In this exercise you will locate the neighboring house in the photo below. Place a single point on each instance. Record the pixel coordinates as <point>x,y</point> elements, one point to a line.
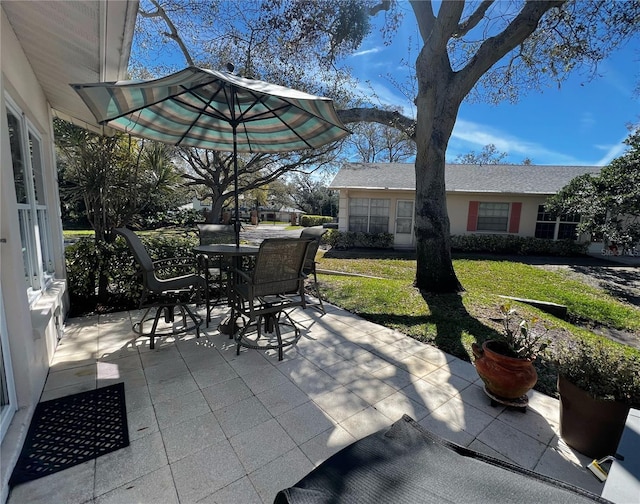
<point>509,199</point>
<point>45,46</point>
<point>284,214</point>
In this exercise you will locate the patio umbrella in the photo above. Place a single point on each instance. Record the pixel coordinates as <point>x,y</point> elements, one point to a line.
<point>214,110</point>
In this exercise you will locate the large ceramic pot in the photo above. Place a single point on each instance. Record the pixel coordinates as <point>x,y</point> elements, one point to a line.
<point>590,425</point>
<point>505,377</point>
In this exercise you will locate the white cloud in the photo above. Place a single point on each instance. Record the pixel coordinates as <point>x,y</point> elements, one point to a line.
<point>611,151</point>
<point>366,52</point>
<point>468,136</point>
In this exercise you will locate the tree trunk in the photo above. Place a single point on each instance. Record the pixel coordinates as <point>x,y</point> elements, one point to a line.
<point>214,217</point>
<point>436,99</point>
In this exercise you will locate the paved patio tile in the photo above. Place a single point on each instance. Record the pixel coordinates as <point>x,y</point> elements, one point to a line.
<point>142,422</point>
<point>529,422</point>
<point>71,486</point>
<point>282,398</point>
<point>213,374</point>
<point>517,446</point>
<point>326,444</point>
<point>398,404</point>
<point>281,473</point>
<point>241,490</point>
<point>242,416</point>
<point>365,422</point>
<point>151,488</point>
<point>555,465</point>
<point>261,444</point>
<point>456,412</point>
<point>304,422</point>
<point>221,396</point>
<point>192,435</point>
<point>211,426</point>
<point>453,433</point>
<point>264,379</point>
<point>175,387</point>
<point>340,403</point>
<point>199,475</point>
<point>180,408</point>
<point>141,457</point>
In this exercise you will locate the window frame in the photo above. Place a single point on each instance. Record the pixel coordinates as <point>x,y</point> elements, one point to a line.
<point>375,215</point>
<point>506,218</point>
<point>33,215</point>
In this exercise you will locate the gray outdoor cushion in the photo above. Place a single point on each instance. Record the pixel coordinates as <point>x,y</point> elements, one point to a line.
<point>407,464</point>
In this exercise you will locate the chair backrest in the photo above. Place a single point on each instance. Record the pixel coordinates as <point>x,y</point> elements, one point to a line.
<point>216,233</point>
<point>138,249</point>
<point>278,266</point>
<point>315,235</point>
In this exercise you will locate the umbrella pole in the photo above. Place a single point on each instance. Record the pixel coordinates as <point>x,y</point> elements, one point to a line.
<point>235,184</point>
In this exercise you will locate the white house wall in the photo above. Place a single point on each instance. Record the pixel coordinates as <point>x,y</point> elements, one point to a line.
<point>457,207</point>
<point>32,327</point>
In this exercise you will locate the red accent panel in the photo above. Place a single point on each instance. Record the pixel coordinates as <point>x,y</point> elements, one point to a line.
<point>514,221</point>
<point>472,218</point>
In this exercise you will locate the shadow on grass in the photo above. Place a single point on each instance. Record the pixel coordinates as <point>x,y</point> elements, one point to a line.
<point>450,318</point>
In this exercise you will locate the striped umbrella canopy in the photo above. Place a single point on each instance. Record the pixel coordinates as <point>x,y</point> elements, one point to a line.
<point>214,110</point>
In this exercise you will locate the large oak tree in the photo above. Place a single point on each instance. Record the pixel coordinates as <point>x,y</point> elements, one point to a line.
<point>480,49</point>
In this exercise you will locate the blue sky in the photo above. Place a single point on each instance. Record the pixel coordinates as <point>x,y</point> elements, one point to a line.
<point>582,123</point>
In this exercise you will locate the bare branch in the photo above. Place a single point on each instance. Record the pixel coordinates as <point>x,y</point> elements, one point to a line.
<point>385,117</point>
<point>385,5</point>
<point>173,34</point>
<point>472,21</point>
<point>494,48</point>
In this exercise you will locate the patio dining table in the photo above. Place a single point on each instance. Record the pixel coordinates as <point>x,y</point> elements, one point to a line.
<point>234,254</point>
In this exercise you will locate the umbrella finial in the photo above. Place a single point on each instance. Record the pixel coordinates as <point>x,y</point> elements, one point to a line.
<point>230,67</point>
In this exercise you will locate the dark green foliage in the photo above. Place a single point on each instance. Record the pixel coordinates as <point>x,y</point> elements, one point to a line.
<point>314,220</point>
<point>348,239</point>
<point>83,260</point>
<point>517,245</point>
<point>187,217</point>
<point>609,204</point>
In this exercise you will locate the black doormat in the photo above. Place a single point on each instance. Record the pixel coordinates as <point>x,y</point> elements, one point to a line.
<point>68,431</point>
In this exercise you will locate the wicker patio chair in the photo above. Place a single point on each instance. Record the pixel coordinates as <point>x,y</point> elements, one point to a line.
<point>216,269</point>
<point>262,295</point>
<point>164,294</point>
<point>309,269</point>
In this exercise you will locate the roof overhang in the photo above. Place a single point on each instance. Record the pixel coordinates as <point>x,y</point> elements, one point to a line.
<point>74,41</point>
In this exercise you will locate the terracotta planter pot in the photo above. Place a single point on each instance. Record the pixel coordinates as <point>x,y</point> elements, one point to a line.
<point>590,425</point>
<point>505,377</point>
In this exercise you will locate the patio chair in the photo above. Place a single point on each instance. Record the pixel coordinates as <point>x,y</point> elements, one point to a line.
<point>215,268</point>
<point>164,294</point>
<point>262,295</point>
<point>315,235</point>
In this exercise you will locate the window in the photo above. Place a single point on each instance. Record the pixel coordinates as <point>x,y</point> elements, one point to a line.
<point>493,216</point>
<point>369,215</point>
<point>33,215</point>
<point>551,227</point>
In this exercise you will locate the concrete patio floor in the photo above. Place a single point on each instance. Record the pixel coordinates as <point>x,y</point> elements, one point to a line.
<point>208,426</point>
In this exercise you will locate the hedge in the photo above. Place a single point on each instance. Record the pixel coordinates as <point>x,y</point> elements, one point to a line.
<point>84,260</point>
<point>517,245</point>
<point>314,220</point>
<point>347,239</point>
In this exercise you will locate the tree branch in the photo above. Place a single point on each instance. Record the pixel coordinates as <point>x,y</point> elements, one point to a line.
<point>173,35</point>
<point>385,117</point>
<point>495,48</point>
<point>472,21</point>
<point>423,11</point>
<point>385,5</point>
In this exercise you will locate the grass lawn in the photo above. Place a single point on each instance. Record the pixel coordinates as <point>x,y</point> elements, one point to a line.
<point>453,322</point>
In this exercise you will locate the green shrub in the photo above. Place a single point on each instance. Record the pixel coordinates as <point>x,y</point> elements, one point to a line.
<point>348,239</point>
<point>84,260</point>
<point>516,245</point>
<point>314,220</point>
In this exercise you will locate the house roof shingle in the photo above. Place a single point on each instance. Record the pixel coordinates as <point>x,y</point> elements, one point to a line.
<point>512,179</point>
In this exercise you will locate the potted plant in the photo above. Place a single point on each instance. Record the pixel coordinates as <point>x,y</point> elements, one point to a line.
<point>597,382</point>
<point>505,364</point>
